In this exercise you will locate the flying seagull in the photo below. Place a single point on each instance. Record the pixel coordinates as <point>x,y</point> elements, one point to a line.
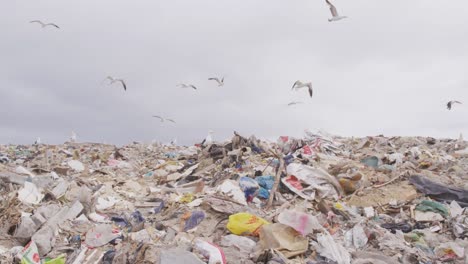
<point>299,84</point>
<point>112,81</point>
<point>334,13</point>
<point>220,83</point>
<point>164,119</point>
<point>183,85</point>
<point>294,103</point>
<point>449,104</point>
<point>44,24</point>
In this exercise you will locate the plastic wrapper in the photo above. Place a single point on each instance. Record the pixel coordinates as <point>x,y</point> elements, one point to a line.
<point>245,224</point>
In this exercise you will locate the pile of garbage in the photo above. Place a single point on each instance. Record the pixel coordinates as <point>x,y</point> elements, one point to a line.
<point>317,199</point>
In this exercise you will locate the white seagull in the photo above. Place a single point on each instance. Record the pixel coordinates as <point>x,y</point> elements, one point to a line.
<point>44,24</point>
<point>220,83</point>
<point>208,139</point>
<point>294,103</point>
<point>183,85</point>
<point>112,81</point>
<point>164,119</point>
<point>73,137</point>
<point>449,104</point>
<point>334,13</point>
<point>299,84</point>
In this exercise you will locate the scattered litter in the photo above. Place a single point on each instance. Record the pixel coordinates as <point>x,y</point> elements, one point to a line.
<point>179,256</point>
<point>284,239</point>
<point>194,220</point>
<point>301,222</point>
<point>105,203</point>
<point>213,253</point>
<point>369,212</point>
<point>440,192</point>
<point>58,260</point>
<point>23,170</point>
<point>449,251</point>
<point>30,254</point>
<point>432,206</point>
<point>30,194</point>
<point>356,237</point>
<point>316,199</point>
<point>266,184</point>
<point>393,227</point>
<point>371,162</point>
<point>136,222</point>
<point>76,165</point>
<point>195,203</point>
<point>245,224</point>
<point>318,182</point>
<point>328,248</point>
<point>232,189</point>
<point>243,244</point>
<point>427,216</point>
<point>250,188</point>
<point>100,235</point>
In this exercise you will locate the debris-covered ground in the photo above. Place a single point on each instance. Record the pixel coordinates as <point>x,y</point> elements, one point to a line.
<point>319,199</point>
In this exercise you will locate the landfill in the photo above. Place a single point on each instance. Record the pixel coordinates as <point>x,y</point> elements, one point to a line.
<point>317,199</point>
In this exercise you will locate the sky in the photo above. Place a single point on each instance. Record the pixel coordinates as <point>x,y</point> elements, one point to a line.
<point>390,68</point>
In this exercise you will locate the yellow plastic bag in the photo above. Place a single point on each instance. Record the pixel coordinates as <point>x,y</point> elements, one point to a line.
<point>245,224</point>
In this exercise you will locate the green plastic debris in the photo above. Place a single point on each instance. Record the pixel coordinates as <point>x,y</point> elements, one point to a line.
<point>371,161</point>
<point>432,206</point>
<point>417,239</point>
<point>58,260</point>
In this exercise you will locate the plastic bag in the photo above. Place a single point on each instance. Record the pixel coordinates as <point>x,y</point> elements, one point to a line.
<point>356,237</point>
<point>307,182</point>
<point>58,260</point>
<point>266,184</point>
<point>243,244</point>
<point>302,222</point>
<point>76,165</point>
<point>440,192</point>
<point>327,247</point>
<point>393,227</point>
<point>194,220</point>
<point>101,235</point>
<point>136,221</point>
<point>284,239</point>
<point>449,251</point>
<point>250,188</point>
<point>30,254</point>
<point>371,161</point>
<point>30,194</point>
<point>432,206</point>
<point>245,224</point>
<point>213,253</point>
<point>232,189</point>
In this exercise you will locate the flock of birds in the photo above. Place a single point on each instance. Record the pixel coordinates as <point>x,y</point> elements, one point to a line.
<point>298,85</point>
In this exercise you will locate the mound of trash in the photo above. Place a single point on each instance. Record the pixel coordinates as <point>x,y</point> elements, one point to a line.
<point>316,199</point>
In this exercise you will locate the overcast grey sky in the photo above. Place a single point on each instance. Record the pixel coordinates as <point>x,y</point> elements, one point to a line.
<point>388,69</point>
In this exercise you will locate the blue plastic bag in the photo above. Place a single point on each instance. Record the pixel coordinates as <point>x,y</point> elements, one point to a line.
<point>194,220</point>
<point>266,184</point>
<point>250,188</point>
